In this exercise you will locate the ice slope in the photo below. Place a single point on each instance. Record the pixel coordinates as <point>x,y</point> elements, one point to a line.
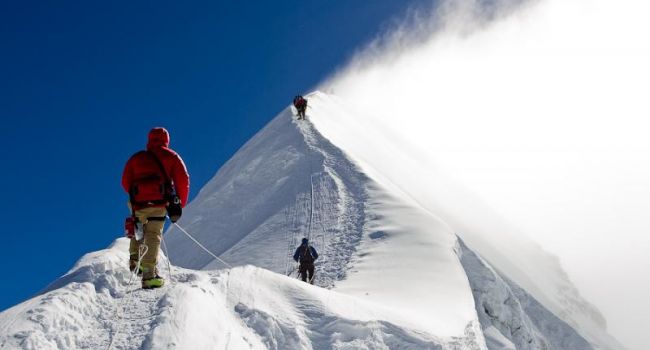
<point>240,308</point>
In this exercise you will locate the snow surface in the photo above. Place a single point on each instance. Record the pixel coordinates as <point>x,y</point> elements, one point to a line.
<point>286,165</point>
<point>392,274</point>
<point>241,308</point>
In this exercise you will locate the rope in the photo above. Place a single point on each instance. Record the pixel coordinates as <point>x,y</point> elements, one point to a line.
<point>311,212</point>
<point>169,263</point>
<point>311,207</point>
<point>200,245</point>
<point>142,250</point>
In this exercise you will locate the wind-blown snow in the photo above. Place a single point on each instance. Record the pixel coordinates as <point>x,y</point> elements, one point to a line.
<point>520,259</point>
<point>539,109</point>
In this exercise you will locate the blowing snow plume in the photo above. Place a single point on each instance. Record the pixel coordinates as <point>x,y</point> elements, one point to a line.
<point>536,109</point>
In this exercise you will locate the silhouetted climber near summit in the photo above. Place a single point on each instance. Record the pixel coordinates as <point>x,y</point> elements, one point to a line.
<point>301,106</point>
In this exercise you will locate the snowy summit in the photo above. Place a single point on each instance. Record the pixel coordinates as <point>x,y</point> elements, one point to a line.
<point>391,273</point>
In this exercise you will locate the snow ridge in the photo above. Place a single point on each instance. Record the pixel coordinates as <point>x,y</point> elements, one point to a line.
<point>240,308</point>
<point>286,183</point>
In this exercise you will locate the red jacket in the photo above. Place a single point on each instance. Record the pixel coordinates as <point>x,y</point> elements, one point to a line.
<point>141,165</point>
<point>300,103</point>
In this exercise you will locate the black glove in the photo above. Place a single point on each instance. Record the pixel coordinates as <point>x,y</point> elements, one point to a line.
<point>174,209</point>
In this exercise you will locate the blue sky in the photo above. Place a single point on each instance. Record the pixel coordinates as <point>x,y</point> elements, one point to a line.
<point>82,82</point>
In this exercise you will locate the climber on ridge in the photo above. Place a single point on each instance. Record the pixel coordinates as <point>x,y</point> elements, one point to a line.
<point>158,185</point>
<point>301,106</point>
<point>306,255</point>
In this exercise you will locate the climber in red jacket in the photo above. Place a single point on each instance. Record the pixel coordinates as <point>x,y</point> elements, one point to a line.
<point>158,185</point>
<point>301,106</point>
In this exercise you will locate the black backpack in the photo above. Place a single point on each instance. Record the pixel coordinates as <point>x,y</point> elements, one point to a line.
<point>305,255</point>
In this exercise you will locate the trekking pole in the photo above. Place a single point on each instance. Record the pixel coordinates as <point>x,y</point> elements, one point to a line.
<point>201,245</point>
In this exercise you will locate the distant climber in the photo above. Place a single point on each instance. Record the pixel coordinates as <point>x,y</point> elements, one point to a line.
<point>306,255</point>
<point>301,106</point>
<point>158,185</point>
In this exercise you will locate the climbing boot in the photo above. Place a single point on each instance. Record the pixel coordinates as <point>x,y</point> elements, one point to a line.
<point>151,283</point>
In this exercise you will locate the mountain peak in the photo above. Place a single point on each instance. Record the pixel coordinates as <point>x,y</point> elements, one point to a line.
<point>391,273</point>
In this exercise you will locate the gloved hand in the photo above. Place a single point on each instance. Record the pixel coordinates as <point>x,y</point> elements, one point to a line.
<point>174,209</point>
<point>174,218</point>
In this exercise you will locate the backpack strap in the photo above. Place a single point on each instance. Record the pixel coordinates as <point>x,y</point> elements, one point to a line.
<point>160,165</point>
<point>305,251</point>
<point>168,182</point>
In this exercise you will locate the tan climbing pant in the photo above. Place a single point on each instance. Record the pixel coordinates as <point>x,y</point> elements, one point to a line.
<point>153,222</point>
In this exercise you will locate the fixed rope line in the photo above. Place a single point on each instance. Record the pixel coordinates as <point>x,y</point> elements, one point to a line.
<point>201,245</point>
<point>169,263</point>
<point>311,202</point>
<point>311,189</point>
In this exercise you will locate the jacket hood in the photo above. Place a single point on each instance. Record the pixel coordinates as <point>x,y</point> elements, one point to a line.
<point>158,137</point>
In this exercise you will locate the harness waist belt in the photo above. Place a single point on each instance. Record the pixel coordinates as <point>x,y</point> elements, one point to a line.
<point>156,218</point>
<point>149,203</point>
